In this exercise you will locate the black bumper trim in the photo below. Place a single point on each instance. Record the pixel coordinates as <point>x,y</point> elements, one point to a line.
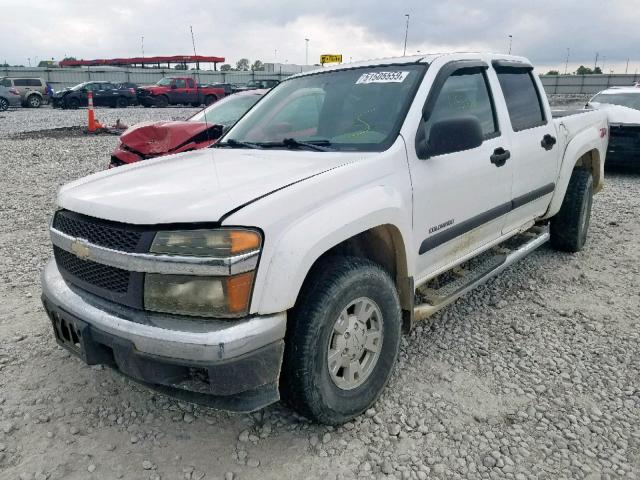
<point>242,384</point>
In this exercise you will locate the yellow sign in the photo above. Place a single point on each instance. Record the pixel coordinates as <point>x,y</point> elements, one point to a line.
<point>330,59</point>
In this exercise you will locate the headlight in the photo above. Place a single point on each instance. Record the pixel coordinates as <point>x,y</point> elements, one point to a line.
<point>206,243</point>
<point>204,296</point>
<point>198,296</point>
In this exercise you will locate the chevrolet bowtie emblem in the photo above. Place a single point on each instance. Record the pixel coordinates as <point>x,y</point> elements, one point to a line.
<point>80,248</point>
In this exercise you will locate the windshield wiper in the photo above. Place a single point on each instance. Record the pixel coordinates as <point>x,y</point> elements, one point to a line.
<point>317,145</point>
<point>236,144</point>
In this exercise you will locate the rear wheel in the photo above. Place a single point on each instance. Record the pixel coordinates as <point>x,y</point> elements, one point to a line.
<point>209,99</point>
<point>34,101</point>
<point>570,225</point>
<point>343,340</point>
<point>162,101</point>
<point>4,104</point>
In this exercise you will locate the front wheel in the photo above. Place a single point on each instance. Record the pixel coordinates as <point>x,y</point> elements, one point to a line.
<point>4,104</point>
<point>570,225</point>
<point>342,341</point>
<point>209,99</point>
<point>73,103</point>
<point>162,101</point>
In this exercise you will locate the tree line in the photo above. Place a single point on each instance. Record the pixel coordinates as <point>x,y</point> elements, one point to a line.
<point>582,70</point>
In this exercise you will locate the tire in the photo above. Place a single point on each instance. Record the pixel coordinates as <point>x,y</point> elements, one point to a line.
<point>162,101</point>
<point>122,102</point>
<point>4,104</point>
<point>34,101</point>
<point>307,384</point>
<point>209,99</point>
<point>570,225</point>
<point>73,103</point>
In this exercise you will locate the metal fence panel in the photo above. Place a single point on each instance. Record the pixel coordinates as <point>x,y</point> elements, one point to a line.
<point>585,84</point>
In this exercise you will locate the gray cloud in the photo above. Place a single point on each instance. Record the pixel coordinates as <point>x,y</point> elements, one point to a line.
<point>542,30</point>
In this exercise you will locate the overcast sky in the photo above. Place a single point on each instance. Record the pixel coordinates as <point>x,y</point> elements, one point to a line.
<point>274,30</point>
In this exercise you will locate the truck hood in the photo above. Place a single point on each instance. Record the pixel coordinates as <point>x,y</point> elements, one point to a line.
<point>198,186</point>
<point>155,138</point>
<point>619,114</point>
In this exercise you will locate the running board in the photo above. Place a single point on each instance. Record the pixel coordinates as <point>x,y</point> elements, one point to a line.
<point>487,265</point>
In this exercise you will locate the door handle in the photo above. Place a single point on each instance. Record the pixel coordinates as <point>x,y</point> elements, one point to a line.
<point>500,156</point>
<point>548,141</point>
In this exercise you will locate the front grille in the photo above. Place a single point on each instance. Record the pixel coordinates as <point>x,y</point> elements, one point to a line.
<point>101,276</point>
<point>99,232</point>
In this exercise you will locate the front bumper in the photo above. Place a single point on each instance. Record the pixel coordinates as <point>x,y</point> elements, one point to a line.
<point>233,365</point>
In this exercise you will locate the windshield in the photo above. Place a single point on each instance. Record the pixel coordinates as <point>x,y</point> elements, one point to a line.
<point>80,86</point>
<point>631,100</point>
<point>226,111</point>
<point>164,82</point>
<point>357,109</point>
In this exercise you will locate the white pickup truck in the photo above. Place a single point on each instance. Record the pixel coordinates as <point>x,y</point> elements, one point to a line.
<point>347,204</point>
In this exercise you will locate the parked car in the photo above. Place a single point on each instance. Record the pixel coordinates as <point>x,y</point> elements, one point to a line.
<point>9,97</point>
<point>155,139</point>
<point>178,90</point>
<point>252,84</point>
<point>229,88</point>
<point>105,94</point>
<point>288,259</point>
<point>622,105</point>
<point>33,91</point>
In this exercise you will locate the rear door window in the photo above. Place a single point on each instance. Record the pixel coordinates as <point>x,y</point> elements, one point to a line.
<point>21,82</point>
<point>522,97</point>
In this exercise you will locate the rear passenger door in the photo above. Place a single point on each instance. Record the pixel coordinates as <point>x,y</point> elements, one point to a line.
<point>461,198</point>
<point>534,152</point>
<point>178,94</point>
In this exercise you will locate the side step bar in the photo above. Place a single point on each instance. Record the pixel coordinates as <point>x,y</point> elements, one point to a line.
<point>498,258</point>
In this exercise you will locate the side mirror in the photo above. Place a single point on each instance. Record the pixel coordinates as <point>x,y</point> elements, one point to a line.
<point>451,135</point>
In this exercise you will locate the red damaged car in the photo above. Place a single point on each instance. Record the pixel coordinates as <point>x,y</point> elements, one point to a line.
<point>150,140</point>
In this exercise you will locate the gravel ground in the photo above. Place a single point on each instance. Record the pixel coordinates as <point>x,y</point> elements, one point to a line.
<point>533,375</point>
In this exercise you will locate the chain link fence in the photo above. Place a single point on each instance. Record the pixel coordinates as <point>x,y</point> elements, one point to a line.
<point>60,78</point>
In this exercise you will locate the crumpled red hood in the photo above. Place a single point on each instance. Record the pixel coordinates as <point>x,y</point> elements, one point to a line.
<point>161,137</point>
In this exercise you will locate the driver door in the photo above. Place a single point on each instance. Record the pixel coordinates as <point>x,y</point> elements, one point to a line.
<point>461,198</point>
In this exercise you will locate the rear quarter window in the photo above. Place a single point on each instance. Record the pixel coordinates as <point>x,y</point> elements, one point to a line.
<point>35,82</point>
<point>523,98</point>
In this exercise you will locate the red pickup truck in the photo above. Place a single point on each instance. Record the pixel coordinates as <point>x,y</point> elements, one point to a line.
<point>177,90</point>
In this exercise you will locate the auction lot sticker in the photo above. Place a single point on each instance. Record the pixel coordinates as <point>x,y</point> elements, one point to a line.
<point>382,77</point>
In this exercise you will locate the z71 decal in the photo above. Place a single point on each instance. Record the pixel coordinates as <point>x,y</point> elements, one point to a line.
<point>441,226</point>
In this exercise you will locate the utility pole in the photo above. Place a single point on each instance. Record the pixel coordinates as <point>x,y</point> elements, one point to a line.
<point>566,65</point>
<point>406,34</point>
<point>306,51</point>
<point>603,60</point>
<point>510,43</point>
<point>596,62</point>
<point>626,70</point>
<point>142,45</point>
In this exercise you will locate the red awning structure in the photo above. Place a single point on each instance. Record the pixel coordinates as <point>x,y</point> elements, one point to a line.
<point>175,59</point>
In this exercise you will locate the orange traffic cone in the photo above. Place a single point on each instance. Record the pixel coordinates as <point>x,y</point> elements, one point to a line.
<point>92,120</point>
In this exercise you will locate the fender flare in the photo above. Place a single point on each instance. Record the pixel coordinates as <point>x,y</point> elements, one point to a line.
<point>583,149</point>
<point>299,246</point>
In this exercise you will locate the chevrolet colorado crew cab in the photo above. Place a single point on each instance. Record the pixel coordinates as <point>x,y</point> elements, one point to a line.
<point>348,203</point>
<point>178,90</point>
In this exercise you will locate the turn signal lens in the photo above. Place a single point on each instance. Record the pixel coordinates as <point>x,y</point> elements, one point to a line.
<point>206,243</point>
